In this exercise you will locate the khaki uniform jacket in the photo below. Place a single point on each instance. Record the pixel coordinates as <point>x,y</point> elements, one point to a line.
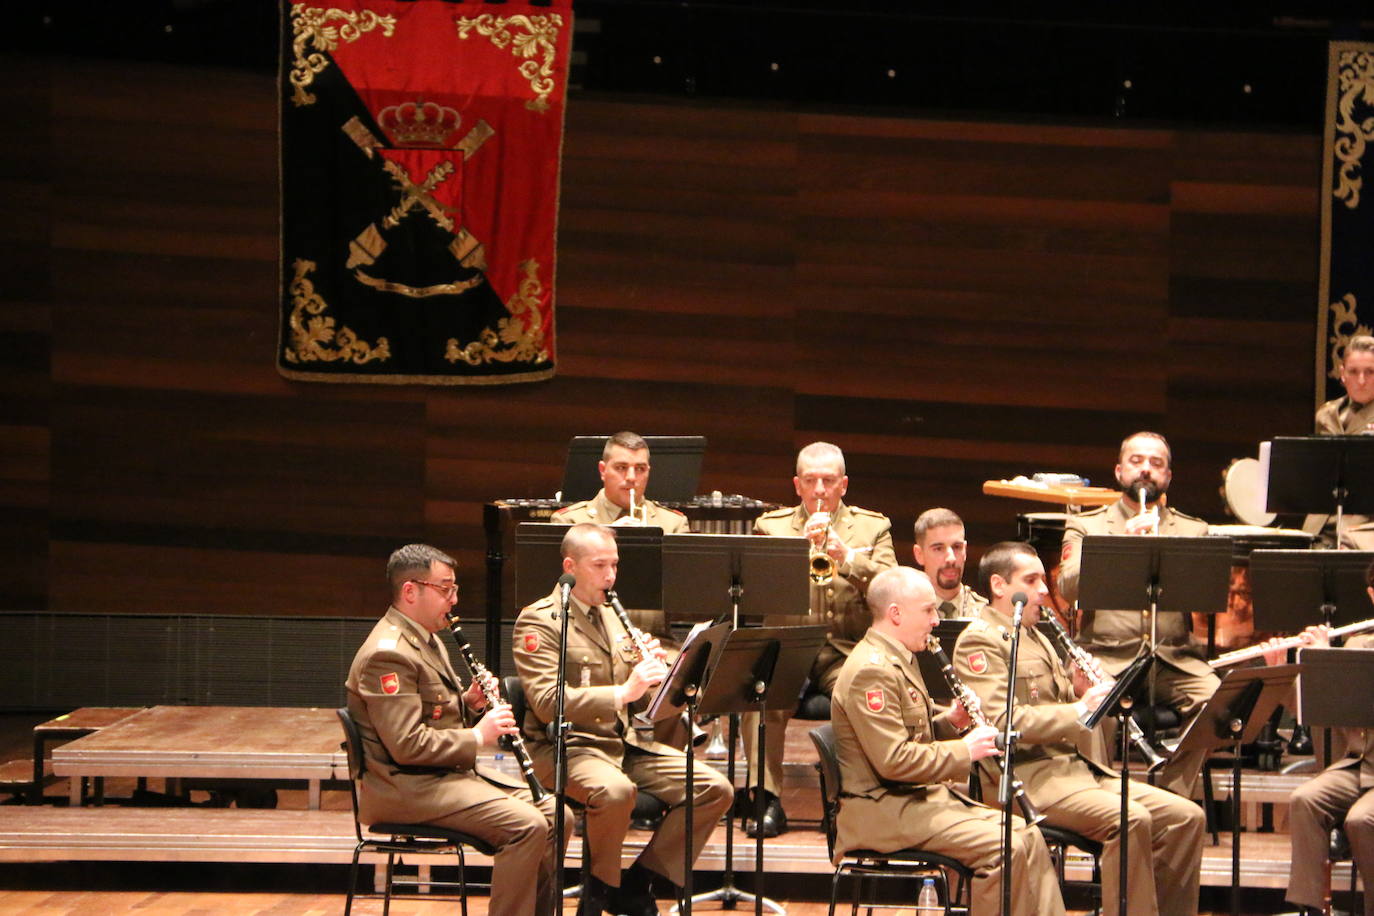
<point>1359,742</point>
<point>421,760</point>
<point>967,605</point>
<point>1045,711</point>
<point>599,658</point>
<point>602,511</point>
<point>840,605</point>
<point>1115,636</point>
<point>1340,418</point>
<point>886,731</point>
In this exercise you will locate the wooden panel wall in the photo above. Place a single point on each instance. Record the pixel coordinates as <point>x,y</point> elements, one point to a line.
<point>948,301</point>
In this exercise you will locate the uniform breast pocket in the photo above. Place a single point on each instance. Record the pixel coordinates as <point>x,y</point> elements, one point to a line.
<point>1034,682</point>
<point>915,721</point>
<point>436,703</point>
<point>588,665</point>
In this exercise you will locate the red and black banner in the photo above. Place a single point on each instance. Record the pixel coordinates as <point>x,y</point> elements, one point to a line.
<point>420,152</point>
<point>1345,306</point>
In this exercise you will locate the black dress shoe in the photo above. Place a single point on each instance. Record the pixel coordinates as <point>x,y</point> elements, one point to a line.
<point>635,896</point>
<point>774,818</point>
<point>597,897</point>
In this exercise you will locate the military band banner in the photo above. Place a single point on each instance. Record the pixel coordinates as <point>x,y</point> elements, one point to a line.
<point>420,153</point>
<point>1346,300</point>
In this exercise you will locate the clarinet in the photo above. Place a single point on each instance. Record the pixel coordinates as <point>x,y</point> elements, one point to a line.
<point>482,676</point>
<point>1084,661</point>
<point>974,708</point>
<point>641,644</point>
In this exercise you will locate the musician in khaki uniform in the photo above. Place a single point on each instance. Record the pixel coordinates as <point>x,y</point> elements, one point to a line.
<point>896,754</point>
<point>1350,415</point>
<point>941,550</point>
<point>1338,795</point>
<point>421,759</point>
<point>1165,853</point>
<point>859,544</point>
<point>1182,676</point>
<point>609,759</point>
<point>624,469</point>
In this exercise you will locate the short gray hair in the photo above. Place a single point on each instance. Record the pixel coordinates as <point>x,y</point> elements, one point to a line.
<point>935,518</point>
<point>1360,343</point>
<point>626,440</point>
<point>1146,434</point>
<point>890,586</point>
<point>820,451</point>
<point>579,538</point>
<point>411,560</point>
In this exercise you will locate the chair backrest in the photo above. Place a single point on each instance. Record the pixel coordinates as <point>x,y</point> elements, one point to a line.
<point>353,749</point>
<point>823,737</point>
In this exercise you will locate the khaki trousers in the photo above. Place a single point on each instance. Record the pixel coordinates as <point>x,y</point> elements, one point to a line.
<point>1314,809</point>
<point>608,791</point>
<point>524,839</point>
<point>1165,845</point>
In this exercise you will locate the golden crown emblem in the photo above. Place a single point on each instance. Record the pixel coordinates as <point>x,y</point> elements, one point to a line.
<point>419,123</point>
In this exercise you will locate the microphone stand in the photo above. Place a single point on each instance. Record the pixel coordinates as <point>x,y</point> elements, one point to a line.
<point>1005,797</point>
<point>560,734</point>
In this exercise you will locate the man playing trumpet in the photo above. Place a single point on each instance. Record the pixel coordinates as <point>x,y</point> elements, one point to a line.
<point>855,544</point>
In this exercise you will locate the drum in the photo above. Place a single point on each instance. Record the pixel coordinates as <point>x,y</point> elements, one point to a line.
<point>1243,486</point>
<point>1236,626</point>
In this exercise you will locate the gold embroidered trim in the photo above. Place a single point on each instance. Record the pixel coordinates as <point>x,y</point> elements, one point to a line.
<point>1343,316</point>
<point>1356,75</point>
<point>518,338</point>
<point>542,38</point>
<point>356,131</point>
<point>315,339</point>
<point>416,292</point>
<point>418,195</point>
<point>310,25</point>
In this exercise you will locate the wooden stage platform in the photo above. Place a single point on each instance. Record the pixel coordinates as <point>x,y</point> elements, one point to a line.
<point>313,824</point>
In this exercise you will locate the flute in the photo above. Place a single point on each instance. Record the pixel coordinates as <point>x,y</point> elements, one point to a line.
<point>493,696</point>
<point>1290,642</point>
<point>974,708</point>
<point>1085,664</point>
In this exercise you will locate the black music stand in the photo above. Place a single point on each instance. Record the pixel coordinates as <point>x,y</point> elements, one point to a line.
<point>705,576</point>
<point>1309,474</point>
<point>1118,703</point>
<point>1289,584</point>
<point>1234,715</point>
<point>676,462</point>
<point>1130,573</point>
<point>760,668</point>
<point>681,691</point>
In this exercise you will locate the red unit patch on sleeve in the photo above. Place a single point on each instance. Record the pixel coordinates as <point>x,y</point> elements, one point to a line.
<point>978,663</point>
<point>531,642</point>
<point>875,699</point>
<point>391,682</point>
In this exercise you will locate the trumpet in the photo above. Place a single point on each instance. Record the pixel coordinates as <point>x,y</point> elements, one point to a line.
<point>1290,642</point>
<point>638,512</point>
<point>493,696</point>
<point>974,708</point>
<point>1154,513</point>
<point>822,564</point>
<point>1084,661</point>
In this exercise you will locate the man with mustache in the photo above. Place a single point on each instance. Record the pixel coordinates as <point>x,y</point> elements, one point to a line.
<point>1183,678</point>
<point>941,551</point>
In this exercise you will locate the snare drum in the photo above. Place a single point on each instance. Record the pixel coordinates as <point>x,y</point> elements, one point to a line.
<point>1243,486</point>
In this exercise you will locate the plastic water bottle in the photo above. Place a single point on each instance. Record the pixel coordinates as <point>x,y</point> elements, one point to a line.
<point>928,901</point>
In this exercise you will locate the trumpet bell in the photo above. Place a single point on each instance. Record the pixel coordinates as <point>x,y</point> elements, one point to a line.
<point>822,568</point>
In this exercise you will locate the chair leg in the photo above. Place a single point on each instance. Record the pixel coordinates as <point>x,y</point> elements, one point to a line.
<point>386,899</point>
<point>352,880</point>
<point>463,879</point>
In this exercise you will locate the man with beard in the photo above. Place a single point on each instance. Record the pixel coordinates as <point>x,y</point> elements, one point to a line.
<point>941,550</point>
<point>1183,678</point>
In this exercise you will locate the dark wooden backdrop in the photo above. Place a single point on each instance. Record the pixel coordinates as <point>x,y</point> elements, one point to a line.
<point>948,301</point>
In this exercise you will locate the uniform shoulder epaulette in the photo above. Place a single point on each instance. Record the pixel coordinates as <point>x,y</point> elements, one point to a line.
<point>672,510</point>
<point>1191,518</point>
<point>869,513</point>
<point>569,508</point>
<point>1096,510</point>
<point>548,601</point>
<point>779,513</point>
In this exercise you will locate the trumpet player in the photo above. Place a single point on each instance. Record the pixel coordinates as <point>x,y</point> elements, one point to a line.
<point>609,760</point>
<point>896,753</point>
<point>1183,679</point>
<point>624,470</point>
<point>1165,848</point>
<point>849,547</point>
<point>422,731</point>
